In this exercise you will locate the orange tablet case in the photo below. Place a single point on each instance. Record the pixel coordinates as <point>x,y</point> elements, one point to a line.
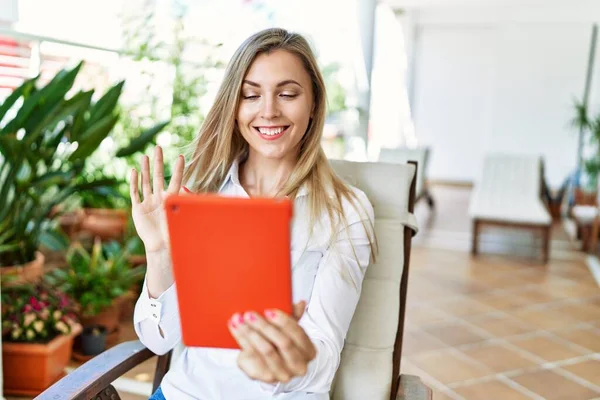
<point>229,255</point>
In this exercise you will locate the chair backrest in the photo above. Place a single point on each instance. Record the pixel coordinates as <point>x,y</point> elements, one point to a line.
<point>512,175</point>
<point>370,364</point>
<point>402,155</point>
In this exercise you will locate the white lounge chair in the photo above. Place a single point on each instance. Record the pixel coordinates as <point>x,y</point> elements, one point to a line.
<point>510,194</point>
<point>401,155</point>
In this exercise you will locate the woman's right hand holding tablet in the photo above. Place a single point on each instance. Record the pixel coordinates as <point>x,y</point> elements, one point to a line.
<point>148,214</point>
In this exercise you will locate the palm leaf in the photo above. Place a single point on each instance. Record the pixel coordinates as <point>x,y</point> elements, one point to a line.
<point>24,89</point>
<point>92,138</point>
<point>105,105</point>
<point>140,142</point>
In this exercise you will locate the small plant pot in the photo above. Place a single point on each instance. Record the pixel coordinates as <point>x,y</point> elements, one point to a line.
<point>105,223</point>
<point>93,340</point>
<point>109,317</point>
<point>20,274</point>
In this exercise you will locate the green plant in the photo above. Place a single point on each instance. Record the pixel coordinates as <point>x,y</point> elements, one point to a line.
<point>152,46</point>
<point>336,94</point>
<point>46,140</point>
<point>591,163</point>
<point>35,313</point>
<point>109,196</point>
<point>95,278</point>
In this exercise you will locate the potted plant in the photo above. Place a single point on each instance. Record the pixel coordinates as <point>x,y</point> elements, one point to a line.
<point>98,280</point>
<point>45,142</point>
<point>105,211</point>
<point>587,191</point>
<point>93,340</point>
<point>38,326</point>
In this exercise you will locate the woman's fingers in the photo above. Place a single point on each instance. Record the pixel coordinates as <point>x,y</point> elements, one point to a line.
<point>146,188</point>
<point>176,179</point>
<point>295,361</point>
<point>249,360</point>
<point>133,187</point>
<point>263,347</point>
<point>159,174</point>
<point>291,328</point>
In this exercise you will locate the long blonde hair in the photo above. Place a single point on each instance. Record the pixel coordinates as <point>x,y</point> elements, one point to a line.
<point>219,142</point>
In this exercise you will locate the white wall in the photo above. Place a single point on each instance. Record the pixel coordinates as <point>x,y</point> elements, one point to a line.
<point>8,12</point>
<point>499,78</point>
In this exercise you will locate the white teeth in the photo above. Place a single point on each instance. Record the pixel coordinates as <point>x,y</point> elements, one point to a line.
<point>271,131</point>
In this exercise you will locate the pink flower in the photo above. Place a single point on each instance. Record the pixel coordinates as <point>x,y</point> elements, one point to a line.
<point>34,303</point>
<point>27,308</point>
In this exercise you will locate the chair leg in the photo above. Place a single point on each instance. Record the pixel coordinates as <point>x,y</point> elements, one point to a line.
<point>546,243</point>
<point>475,237</point>
<point>162,367</point>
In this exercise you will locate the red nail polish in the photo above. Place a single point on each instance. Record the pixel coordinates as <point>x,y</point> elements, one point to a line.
<point>240,319</point>
<point>250,317</point>
<point>186,189</point>
<point>270,314</point>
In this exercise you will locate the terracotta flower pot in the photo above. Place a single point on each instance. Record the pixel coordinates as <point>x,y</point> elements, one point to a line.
<point>136,259</point>
<point>30,368</point>
<point>70,222</point>
<point>105,223</point>
<point>109,317</point>
<point>585,198</point>
<point>127,305</point>
<point>19,274</point>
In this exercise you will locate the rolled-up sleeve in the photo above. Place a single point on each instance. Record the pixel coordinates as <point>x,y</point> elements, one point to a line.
<point>334,298</point>
<point>156,321</point>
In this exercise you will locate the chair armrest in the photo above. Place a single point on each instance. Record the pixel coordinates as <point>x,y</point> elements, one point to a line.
<point>99,372</point>
<point>412,388</point>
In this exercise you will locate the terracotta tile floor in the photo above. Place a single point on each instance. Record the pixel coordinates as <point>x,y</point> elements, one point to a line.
<point>500,326</point>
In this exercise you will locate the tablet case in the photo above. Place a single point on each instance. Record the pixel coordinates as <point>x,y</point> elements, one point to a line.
<point>229,255</point>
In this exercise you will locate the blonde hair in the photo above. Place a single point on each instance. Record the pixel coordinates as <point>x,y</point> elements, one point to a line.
<point>219,142</point>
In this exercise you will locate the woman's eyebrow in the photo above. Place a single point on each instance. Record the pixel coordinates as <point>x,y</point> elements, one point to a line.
<point>282,83</point>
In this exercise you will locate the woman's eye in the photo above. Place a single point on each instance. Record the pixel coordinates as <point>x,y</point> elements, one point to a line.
<point>288,95</point>
<point>251,97</point>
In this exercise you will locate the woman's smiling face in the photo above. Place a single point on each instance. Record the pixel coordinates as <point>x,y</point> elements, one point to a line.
<point>276,105</point>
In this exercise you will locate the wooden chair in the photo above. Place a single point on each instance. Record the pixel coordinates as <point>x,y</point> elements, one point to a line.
<point>509,194</point>
<point>370,363</point>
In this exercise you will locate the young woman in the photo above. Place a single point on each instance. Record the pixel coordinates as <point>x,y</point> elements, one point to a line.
<point>262,138</point>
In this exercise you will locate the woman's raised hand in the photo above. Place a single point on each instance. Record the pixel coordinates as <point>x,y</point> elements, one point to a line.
<point>148,214</point>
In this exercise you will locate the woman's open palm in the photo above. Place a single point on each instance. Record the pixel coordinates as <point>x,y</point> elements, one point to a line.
<point>148,214</point>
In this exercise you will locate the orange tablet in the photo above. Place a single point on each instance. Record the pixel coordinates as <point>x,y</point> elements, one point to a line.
<point>229,255</point>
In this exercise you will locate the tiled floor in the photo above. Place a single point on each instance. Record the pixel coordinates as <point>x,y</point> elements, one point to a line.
<point>500,326</point>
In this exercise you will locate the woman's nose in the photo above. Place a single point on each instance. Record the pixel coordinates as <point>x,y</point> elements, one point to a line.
<point>270,109</point>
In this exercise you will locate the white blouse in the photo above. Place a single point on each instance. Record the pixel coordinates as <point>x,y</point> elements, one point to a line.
<point>326,275</point>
